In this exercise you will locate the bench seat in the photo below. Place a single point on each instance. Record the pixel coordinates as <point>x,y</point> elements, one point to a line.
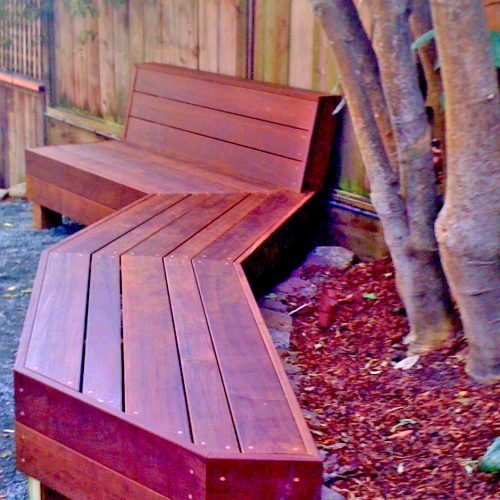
<point>148,316</point>
<point>112,174</point>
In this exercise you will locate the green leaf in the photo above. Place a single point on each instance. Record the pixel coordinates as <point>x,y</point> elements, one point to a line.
<point>403,421</point>
<point>495,42</point>
<point>490,463</point>
<point>423,40</point>
<point>370,296</point>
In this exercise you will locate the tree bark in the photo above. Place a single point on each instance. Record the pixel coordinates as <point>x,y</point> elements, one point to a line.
<point>426,286</point>
<point>420,23</point>
<point>468,227</point>
<point>412,245</point>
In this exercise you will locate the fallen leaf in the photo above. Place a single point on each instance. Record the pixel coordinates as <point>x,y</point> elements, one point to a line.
<point>407,363</point>
<point>6,454</point>
<point>400,434</point>
<point>400,468</point>
<point>370,296</point>
<point>403,421</point>
<point>7,224</point>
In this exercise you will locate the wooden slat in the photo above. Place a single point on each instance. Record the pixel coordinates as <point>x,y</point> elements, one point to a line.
<point>216,229</point>
<point>263,103</point>
<point>57,338</point>
<point>112,438</point>
<point>209,413</point>
<point>257,134</point>
<point>271,476</point>
<point>156,173</point>
<point>185,226</point>
<point>72,473</point>
<point>65,202</point>
<point>211,177</point>
<point>153,384</point>
<point>82,177</point>
<point>151,226</point>
<point>102,371</point>
<point>261,413</point>
<point>233,243</point>
<point>252,163</point>
<point>103,233</point>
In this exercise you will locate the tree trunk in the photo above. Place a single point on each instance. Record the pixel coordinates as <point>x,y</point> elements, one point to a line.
<point>412,135</point>
<point>412,245</point>
<point>420,23</point>
<point>468,227</point>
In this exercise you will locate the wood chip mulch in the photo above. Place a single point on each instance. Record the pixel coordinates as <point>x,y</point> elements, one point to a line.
<point>387,433</point>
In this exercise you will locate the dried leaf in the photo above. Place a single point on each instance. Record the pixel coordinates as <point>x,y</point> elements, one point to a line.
<point>407,363</point>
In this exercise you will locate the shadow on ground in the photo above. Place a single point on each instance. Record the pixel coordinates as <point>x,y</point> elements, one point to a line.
<point>20,248</point>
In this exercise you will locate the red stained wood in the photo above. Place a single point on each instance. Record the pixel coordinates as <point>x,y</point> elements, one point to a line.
<point>211,421</point>
<point>151,226</point>
<point>240,159</point>
<point>217,228</point>
<point>262,416</point>
<point>56,343</point>
<point>83,178</point>
<point>237,129</point>
<point>118,224</point>
<point>295,480</point>
<point>65,202</point>
<point>172,236</point>
<point>264,102</point>
<point>182,393</point>
<point>71,473</point>
<point>102,371</point>
<point>112,438</point>
<point>235,241</point>
<point>153,384</point>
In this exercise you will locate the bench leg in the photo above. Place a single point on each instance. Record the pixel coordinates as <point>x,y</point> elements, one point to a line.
<point>44,218</point>
<point>38,491</point>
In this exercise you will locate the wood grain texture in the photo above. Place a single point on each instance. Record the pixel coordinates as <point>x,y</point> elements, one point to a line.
<point>209,413</point>
<point>153,385</point>
<point>72,474</point>
<point>112,438</point>
<point>65,202</point>
<point>56,343</point>
<point>261,414</point>
<point>102,362</point>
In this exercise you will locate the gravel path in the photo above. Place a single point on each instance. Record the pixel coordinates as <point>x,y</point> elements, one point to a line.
<point>20,247</point>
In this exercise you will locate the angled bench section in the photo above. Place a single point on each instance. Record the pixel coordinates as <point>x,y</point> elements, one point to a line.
<point>145,368</point>
<point>188,132</point>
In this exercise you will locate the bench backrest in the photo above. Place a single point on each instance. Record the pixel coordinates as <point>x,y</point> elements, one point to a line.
<point>263,131</point>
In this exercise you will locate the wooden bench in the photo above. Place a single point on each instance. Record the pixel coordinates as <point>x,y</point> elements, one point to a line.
<point>188,132</point>
<point>145,368</point>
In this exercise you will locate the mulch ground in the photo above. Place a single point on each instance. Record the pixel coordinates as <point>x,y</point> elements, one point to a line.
<point>386,432</point>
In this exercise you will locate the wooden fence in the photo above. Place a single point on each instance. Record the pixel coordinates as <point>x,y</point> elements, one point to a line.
<point>20,37</point>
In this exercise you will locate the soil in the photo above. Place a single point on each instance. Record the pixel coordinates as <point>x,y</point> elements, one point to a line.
<point>384,432</point>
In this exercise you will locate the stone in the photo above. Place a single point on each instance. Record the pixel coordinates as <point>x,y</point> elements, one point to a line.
<point>18,190</point>
<point>281,339</point>
<point>329,494</point>
<point>277,320</point>
<point>3,193</point>
<point>276,304</point>
<point>297,286</point>
<point>334,257</point>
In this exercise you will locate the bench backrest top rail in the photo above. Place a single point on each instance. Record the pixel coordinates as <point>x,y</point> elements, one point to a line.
<point>269,132</point>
